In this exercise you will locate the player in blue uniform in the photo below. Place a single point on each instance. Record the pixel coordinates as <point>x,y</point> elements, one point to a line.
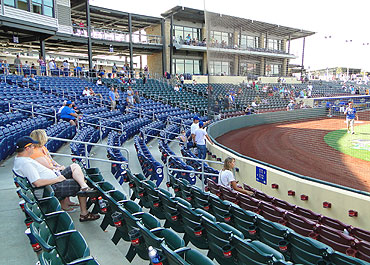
<point>351,114</point>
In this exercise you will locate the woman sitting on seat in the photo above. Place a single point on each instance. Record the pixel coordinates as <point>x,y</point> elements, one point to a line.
<point>227,179</point>
<point>41,155</point>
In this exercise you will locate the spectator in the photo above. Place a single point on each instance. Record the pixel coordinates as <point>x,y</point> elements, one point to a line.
<point>200,136</point>
<point>93,94</point>
<point>194,126</point>
<point>227,178</point>
<point>77,70</point>
<point>32,78</point>
<point>116,94</point>
<point>114,70</point>
<point>182,79</point>
<point>176,88</point>
<point>6,67</point>
<point>290,106</point>
<point>42,65</point>
<point>216,111</point>
<point>18,64</point>
<point>39,176</point>
<point>64,104</point>
<point>26,65</point>
<point>86,92</point>
<point>130,97</point>
<point>25,80</point>
<point>99,82</point>
<point>69,114</point>
<point>66,68</point>
<point>112,99</point>
<point>136,97</point>
<point>52,67</point>
<point>183,139</point>
<point>41,154</point>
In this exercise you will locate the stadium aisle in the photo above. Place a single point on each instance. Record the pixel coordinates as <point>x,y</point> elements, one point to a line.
<point>15,248</point>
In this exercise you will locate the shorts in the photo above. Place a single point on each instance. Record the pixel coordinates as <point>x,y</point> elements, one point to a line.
<point>350,122</point>
<point>66,188</point>
<point>67,119</point>
<point>67,172</point>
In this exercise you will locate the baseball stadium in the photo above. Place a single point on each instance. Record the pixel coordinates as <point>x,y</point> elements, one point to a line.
<point>182,134</point>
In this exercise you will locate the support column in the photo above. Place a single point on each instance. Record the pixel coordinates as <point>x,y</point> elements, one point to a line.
<point>171,46</point>
<point>89,44</point>
<point>304,43</point>
<point>141,62</point>
<point>42,49</point>
<point>164,47</point>
<point>262,67</point>
<point>130,43</point>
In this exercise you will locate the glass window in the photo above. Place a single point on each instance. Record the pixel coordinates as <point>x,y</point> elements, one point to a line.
<point>49,3</point>
<point>22,4</point>
<point>36,6</point>
<point>273,69</point>
<point>48,11</point>
<point>189,69</point>
<point>197,67</point>
<point>9,3</point>
<point>180,67</point>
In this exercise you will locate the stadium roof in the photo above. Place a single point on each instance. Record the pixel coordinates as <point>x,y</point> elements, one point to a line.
<point>196,15</point>
<point>105,18</point>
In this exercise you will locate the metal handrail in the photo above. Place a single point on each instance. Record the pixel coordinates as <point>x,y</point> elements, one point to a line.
<point>32,109</point>
<point>94,144</point>
<point>203,174</point>
<point>100,118</point>
<point>140,113</point>
<point>101,126</point>
<point>56,89</point>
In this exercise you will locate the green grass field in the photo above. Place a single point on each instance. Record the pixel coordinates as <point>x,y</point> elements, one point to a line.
<point>356,145</point>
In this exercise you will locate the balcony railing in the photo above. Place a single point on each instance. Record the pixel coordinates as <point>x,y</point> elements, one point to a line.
<point>119,36</point>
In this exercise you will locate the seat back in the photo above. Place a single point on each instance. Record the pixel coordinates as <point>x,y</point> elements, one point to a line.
<point>72,246</point>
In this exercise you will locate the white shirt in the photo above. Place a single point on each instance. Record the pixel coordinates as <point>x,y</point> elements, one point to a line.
<point>226,177</point>
<point>33,170</point>
<point>60,109</point>
<point>254,104</point>
<point>86,93</point>
<point>51,65</point>
<point>194,127</point>
<point>200,138</point>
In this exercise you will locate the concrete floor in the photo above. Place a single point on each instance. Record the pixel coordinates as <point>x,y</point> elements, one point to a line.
<point>18,250</point>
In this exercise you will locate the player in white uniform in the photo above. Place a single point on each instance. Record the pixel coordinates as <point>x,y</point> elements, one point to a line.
<point>351,114</point>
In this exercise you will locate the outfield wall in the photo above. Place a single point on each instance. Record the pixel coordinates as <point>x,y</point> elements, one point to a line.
<point>342,199</point>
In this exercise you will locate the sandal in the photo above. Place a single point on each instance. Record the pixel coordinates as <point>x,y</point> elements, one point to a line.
<point>70,210</point>
<point>89,217</point>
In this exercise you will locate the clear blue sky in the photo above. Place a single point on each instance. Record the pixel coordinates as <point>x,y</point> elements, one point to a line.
<point>342,20</point>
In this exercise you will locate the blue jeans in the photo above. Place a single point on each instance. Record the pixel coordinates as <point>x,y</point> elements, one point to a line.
<point>202,151</point>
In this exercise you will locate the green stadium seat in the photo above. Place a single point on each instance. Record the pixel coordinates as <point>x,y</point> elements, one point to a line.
<point>185,256</point>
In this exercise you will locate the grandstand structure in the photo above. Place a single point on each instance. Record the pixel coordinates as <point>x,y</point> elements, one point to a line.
<point>150,188</point>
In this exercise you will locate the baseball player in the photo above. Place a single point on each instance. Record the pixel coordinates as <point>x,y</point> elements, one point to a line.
<point>351,114</point>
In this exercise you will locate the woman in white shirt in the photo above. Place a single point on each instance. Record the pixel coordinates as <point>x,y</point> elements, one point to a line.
<point>227,177</point>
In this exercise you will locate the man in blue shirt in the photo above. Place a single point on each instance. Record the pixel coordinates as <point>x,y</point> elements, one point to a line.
<point>69,114</point>
<point>112,98</point>
<point>351,114</point>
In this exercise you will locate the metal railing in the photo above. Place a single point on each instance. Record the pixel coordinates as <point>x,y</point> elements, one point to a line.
<point>115,35</point>
<point>202,173</point>
<point>86,157</point>
<point>168,122</point>
<point>32,111</point>
<point>143,130</point>
<point>141,113</point>
<point>105,119</point>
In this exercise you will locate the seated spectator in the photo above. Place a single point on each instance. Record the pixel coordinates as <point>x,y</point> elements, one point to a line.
<point>64,104</point>
<point>69,114</point>
<point>32,78</point>
<point>176,88</point>
<point>183,139</point>
<point>227,178</point>
<point>93,94</point>
<point>99,82</point>
<point>136,97</point>
<point>41,154</point>
<point>116,94</point>
<point>40,176</point>
<point>290,106</point>
<point>25,79</point>
<point>86,92</point>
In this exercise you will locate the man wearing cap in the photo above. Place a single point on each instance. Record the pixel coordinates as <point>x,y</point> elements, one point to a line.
<point>40,176</point>
<point>200,136</point>
<point>69,114</point>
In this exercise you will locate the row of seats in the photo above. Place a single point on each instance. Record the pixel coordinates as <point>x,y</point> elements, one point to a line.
<point>151,168</point>
<point>52,230</point>
<point>12,131</point>
<point>140,228</point>
<point>341,237</point>
<point>62,129</point>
